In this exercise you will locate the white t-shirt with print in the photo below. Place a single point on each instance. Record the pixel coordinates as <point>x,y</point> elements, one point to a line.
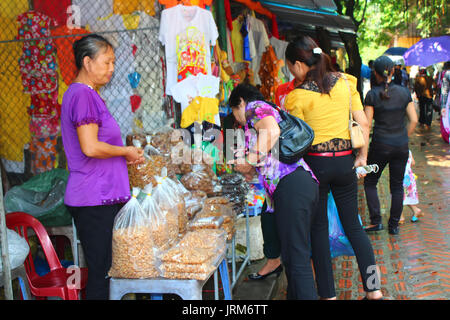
<point>195,86</point>
<point>187,32</point>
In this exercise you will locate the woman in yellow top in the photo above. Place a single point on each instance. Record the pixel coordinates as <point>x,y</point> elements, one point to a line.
<point>322,99</point>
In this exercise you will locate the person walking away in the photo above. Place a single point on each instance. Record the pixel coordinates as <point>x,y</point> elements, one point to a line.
<point>423,87</point>
<point>292,189</point>
<point>389,105</point>
<point>97,161</point>
<point>322,99</point>
<point>411,196</point>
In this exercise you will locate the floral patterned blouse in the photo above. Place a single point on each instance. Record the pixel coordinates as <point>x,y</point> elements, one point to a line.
<point>273,170</point>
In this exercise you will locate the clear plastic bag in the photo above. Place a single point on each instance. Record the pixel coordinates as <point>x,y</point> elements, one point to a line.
<point>141,175</point>
<point>169,202</point>
<point>133,254</point>
<point>221,210</point>
<point>206,223</point>
<point>198,179</point>
<point>18,249</point>
<point>158,224</point>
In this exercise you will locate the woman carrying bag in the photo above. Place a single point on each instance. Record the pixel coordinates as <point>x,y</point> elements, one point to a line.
<point>323,100</point>
<point>292,190</point>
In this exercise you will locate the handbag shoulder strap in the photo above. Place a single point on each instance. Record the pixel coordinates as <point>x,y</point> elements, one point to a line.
<point>350,95</point>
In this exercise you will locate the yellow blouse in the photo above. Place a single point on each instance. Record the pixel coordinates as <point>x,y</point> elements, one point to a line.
<point>327,114</point>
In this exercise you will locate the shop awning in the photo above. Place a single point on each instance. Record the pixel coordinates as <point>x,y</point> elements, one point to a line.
<point>310,12</point>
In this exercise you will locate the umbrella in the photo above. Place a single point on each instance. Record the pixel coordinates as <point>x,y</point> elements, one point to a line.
<point>395,51</point>
<point>428,51</point>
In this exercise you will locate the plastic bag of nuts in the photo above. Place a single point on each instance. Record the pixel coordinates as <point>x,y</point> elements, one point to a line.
<point>158,224</point>
<point>133,254</point>
<point>171,203</point>
<point>198,179</point>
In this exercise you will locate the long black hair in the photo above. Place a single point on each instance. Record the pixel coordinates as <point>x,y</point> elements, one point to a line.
<point>302,49</point>
<point>89,46</point>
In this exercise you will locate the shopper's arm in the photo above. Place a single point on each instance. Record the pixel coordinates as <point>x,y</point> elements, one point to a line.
<point>91,147</point>
<point>412,116</point>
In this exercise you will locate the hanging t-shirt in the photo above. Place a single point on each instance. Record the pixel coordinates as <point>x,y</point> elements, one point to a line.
<point>259,41</point>
<point>199,110</point>
<point>54,9</point>
<point>187,42</point>
<point>237,41</point>
<point>64,51</point>
<point>195,86</point>
<point>38,61</point>
<point>90,10</point>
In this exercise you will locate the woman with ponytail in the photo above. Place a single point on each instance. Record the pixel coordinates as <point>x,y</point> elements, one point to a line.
<point>322,98</point>
<point>389,105</point>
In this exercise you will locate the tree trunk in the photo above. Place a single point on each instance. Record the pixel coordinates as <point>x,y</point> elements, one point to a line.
<point>324,39</point>
<point>355,62</point>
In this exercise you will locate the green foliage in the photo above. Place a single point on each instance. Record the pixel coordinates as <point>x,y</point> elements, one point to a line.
<point>378,21</point>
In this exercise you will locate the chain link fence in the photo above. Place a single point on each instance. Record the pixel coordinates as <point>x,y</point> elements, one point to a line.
<point>37,66</point>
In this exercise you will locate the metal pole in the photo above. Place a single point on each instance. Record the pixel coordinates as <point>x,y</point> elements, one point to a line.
<point>5,250</point>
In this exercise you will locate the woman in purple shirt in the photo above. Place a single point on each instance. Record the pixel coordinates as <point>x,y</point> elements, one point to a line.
<point>97,160</point>
<point>292,189</point>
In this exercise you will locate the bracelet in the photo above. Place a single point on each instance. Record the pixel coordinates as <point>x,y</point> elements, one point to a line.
<point>250,163</point>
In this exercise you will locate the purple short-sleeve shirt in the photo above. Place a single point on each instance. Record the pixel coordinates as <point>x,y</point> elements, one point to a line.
<point>92,181</point>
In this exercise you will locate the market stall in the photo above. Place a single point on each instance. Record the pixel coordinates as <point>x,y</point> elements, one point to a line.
<point>169,95</point>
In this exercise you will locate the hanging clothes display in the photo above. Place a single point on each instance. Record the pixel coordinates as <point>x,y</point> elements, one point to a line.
<point>56,10</point>
<point>200,109</point>
<point>187,42</point>
<point>280,49</point>
<point>38,61</point>
<point>199,3</point>
<point>270,67</point>
<point>195,86</point>
<point>64,51</point>
<point>43,154</point>
<point>90,10</point>
<point>131,6</point>
<point>260,41</point>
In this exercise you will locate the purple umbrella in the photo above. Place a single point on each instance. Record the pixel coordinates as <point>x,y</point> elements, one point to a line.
<point>428,51</point>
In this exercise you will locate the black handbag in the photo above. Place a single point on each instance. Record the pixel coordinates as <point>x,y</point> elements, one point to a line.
<point>295,139</point>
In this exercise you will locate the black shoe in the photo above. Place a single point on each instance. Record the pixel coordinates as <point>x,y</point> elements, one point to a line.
<point>376,227</point>
<point>393,230</point>
<point>257,276</point>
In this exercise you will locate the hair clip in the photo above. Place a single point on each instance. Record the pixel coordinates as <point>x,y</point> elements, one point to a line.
<point>317,50</point>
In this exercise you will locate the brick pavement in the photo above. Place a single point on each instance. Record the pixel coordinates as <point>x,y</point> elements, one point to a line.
<point>415,263</point>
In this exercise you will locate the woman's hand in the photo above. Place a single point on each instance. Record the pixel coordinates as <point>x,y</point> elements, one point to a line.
<point>134,155</point>
<point>359,162</point>
<point>243,167</point>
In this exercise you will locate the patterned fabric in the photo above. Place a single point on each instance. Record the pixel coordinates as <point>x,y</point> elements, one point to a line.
<point>411,196</point>
<point>38,61</point>
<point>332,145</point>
<point>43,154</point>
<point>44,126</point>
<point>273,171</point>
<point>45,104</point>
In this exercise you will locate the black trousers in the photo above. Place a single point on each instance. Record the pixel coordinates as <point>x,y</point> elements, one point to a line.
<point>94,226</point>
<point>337,174</point>
<point>295,199</point>
<point>425,110</point>
<point>396,157</point>
<point>271,247</point>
